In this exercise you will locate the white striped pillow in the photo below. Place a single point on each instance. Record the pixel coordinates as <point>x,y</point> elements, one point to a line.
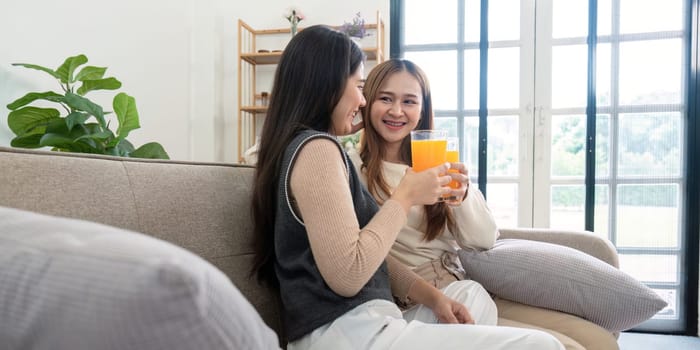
<point>564,279</point>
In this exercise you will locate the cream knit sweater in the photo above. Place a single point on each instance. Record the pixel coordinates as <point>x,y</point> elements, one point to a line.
<point>476,228</point>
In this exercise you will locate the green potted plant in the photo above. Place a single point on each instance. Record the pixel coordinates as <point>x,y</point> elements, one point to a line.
<point>84,127</point>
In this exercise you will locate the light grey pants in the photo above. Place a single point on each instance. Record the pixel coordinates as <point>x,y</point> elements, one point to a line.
<point>379,324</point>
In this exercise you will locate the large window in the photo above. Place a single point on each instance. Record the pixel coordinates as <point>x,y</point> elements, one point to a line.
<point>545,93</point>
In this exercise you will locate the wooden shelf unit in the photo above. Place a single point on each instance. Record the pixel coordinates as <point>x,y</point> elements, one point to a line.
<point>249,109</point>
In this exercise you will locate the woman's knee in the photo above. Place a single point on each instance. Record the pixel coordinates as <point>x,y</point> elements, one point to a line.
<point>476,299</point>
<point>467,288</point>
<point>544,341</point>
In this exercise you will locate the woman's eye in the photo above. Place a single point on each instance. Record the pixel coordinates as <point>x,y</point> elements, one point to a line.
<point>410,102</point>
<point>385,99</point>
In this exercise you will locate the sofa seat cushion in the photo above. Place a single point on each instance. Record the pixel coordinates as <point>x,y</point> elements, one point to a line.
<point>71,284</point>
<point>564,279</point>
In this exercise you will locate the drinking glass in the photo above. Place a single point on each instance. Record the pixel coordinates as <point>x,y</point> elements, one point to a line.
<point>428,148</point>
<point>453,157</point>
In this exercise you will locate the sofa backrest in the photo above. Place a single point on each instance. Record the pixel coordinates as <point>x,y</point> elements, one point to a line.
<point>202,207</point>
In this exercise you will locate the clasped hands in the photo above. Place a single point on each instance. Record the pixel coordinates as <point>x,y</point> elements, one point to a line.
<point>438,178</point>
<point>431,185</point>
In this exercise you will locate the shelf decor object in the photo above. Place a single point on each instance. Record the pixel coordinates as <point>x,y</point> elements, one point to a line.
<point>294,17</point>
<point>256,49</point>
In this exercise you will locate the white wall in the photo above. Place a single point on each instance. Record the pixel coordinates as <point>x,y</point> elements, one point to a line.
<point>176,57</point>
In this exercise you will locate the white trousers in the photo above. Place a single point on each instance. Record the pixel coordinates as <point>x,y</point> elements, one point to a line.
<point>379,324</point>
<point>471,294</point>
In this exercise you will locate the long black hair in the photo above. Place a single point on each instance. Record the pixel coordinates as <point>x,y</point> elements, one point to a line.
<point>309,81</point>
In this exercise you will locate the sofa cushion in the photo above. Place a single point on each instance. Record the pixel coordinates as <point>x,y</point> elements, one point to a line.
<point>71,284</point>
<point>565,279</point>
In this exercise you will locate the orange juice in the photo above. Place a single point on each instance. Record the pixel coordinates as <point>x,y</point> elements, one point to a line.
<point>428,153</point>
<point>453,157</point>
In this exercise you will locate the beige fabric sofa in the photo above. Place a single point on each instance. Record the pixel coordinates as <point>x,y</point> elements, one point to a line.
<point>203,207</point>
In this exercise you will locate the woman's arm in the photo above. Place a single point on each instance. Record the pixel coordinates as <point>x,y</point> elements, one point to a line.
<point>346,255</point>
<point>476,227</point>
<point>407,285</point>
<point>401,277</point>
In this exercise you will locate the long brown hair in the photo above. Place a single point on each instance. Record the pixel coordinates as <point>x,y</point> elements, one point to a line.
<point>308,84</point>
<point>437,216</point>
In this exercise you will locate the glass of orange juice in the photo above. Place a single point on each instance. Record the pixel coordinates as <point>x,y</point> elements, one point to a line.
<point>453,157</point>
<point>428,148</point>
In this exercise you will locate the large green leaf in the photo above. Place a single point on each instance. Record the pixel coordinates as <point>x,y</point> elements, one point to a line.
<point>59,137</point>
<point>150,150</point>
<point>34,66</point>
<point>33,96</point>
<point>76,118</point>
<point>64,143</point>
<point>95,134</point>
<point>120,148</point>
<point>31,120</point>
<point>127,115</point>
<point>99,136</point>
<point>104,136</point>
<point>26,141</point>
<point>115,143</point>
<point>55,140</point>
<point>85,147</point>
<point>126,145</point>
<point>90,73</point>
<point>57,126</point>
<point>99,84</point>
<point>83,104</point>
<point>93,128</point>
<point>65,71</point>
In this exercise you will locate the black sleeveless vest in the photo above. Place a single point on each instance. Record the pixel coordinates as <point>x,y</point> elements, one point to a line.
<point>307,300</point>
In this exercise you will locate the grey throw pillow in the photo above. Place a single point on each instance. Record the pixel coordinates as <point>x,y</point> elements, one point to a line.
<point>71,284</point>
<point>562,278</point>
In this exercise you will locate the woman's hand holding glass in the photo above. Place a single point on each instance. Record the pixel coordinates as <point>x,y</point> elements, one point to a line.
<point>423,187</point>
<point>458,174</point>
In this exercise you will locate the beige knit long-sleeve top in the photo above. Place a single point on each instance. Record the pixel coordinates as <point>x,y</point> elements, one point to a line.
<point>476,227</point>
<point>346,255</point>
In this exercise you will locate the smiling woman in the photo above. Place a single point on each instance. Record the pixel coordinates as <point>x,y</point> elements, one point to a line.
<point>320,236</point>
<point>397,93</point>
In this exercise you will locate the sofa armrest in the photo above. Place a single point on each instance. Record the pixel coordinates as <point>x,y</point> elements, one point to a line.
<point>584,241</point>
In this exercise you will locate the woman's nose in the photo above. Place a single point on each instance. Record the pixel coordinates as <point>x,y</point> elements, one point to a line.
<point>395,109</point>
